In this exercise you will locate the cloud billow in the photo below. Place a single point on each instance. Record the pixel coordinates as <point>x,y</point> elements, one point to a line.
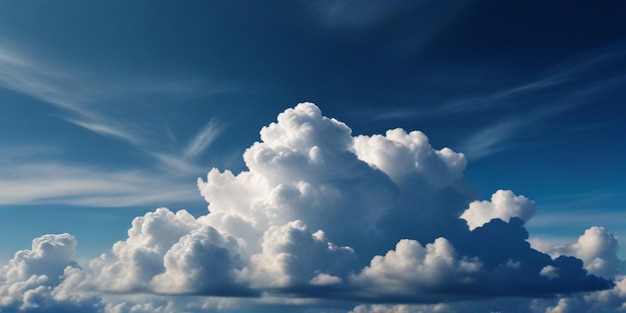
<point>321,214</point>
<point>309,170</point>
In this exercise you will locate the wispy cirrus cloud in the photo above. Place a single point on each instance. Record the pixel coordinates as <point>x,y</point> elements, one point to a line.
<point>37,174</point>
<point>493,138</point>
<point>87,102</point>
<point>68,90</point>
<point>570,71</point>
<point>597,207</point>
<point>202,139</point>
<point>105,129</point>
<point>350,13</point>
<point>575,72</point>
<point>71,184</point>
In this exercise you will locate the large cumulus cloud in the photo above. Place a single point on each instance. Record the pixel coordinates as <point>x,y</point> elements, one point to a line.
<point>320,213</point>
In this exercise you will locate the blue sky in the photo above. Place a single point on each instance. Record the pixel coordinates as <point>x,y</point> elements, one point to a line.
<point>110,110</point>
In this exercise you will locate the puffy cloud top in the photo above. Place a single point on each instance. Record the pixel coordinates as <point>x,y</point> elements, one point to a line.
<point>140,257</point>
<point>504,205</point>
<point>47,259</point>
<point>412,269</point>
<point>596,247</point>
<point>400,155</point>
<point>31,281</point>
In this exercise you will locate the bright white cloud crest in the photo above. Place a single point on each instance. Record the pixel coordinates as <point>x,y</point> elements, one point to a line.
<point>504,205</point>
<point>596,247</point>
<point>321,214</point>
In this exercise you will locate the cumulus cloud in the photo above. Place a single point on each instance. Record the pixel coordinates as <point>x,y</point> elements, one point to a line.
<point>322,214</point>
<point>412,269</point>
<point>202,261</point>
<point>293,256</point>
<point>32,280</point>
<point>48,257</point>
<point>303,169</point>
<point>504,204</point>
<point>400,155</point>
<point>366,194</point>
<point>596,247</point>
<point>139,258</point>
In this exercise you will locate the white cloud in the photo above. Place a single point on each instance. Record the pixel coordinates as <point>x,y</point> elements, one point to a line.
<point>400,155</point>
<point>303,169</point>
<point>596,247</point>
<point>614,298</point>
<point>504,205</point>
<point>32,279</point>
<point>323,279</point>
<point>402,308</point>
<point>293,256</point>
<point>550,272</point>
<point>412,269</point>
<point>201,262</point>
<point>565,305</point>
<point>318,214</point>
<point>47,259</point>
<point>138,259</point>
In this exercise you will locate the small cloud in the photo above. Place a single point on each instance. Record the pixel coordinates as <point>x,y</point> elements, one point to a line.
<point>202,139</point>
<point>504,205</point>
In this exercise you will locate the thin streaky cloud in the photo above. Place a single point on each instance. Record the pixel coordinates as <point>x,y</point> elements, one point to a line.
<point>489,140</point>
<point>47,83</point>
<point>566,72</point>
<point>176,165</point>
<point>492,139</point>
<point>497,98</point>
<point>202,139</point>
<point>589,60</point>
<point>60,183</point>
<point>502,97</point>
<point>31,78</point>
<point>106,130</point>
<point>40,80</point>
<point>350,13</point>
<point>575,219</point>
<point>588,196</point>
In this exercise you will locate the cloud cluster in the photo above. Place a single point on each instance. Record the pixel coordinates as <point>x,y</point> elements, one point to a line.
<point>35,280</point>
<point>322,214</point>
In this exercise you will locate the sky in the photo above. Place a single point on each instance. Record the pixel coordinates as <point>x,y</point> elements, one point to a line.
<point>312,156</point>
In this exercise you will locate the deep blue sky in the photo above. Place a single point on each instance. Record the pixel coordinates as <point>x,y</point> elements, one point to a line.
<point>110,95</point>
<point>530,91</point>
